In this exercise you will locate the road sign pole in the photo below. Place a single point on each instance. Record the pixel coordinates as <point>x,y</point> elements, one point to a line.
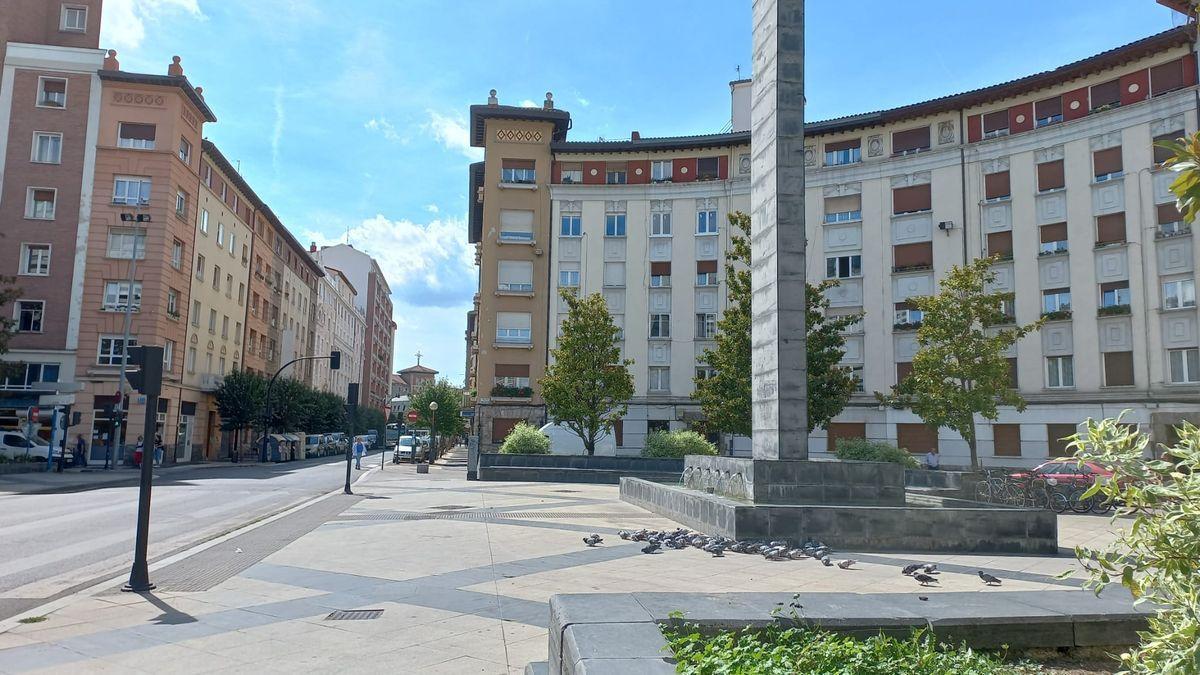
<point>150,359</point>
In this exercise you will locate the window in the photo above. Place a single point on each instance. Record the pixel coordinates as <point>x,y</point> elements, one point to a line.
<point>1110,229</point>
<point>200,267</point>
<point>245,254</point>
<point>1163,154</point>
<point>571,225</point>
<point>229,285</point>
<point>516,226</point>
<point>1060,371</point>
<point>220,234</point>
<point>1050,176</point>
<point>513,376</point>
<point>196,313</point>
<point>224,327</point>
<point>1006,440</point>
<point>706,221</point>
<point>571,172</point>
<point>1118,369</point>
<point>204,221</point>
<point>30,375</point>
<point>29,315</point>
<point>39,203</point>
<point>614,225</point>
<point>241,293</point>
<point>614,174</point>
<point>185,151</point>
<point>1184,365</point>
<point>216,278</point>
<point>1179,294</point>
<point>135,136</point>
<point>660,171</point>
<point>843,209</point>
<point>843,267</point>
<point>212,321</point>
<point>1056,300</point>
<point>1114,294</point>
<point>906,315</point>
<point>1106,164</point>
<point>513,328</point>
<point>1170,221</point>
<point>843,152</point>
<point>176,254</point>
<point>117,297</point>
<point>913,199</point>
<point>237,333</point>
<point>705,372</point>
<point>112,349</point>
<point>568,278</point>
<point>1000,243</point>
<point>47,148</point>
<point>910,141</point>
<point>52,92</point>
<point>1048,111</point>
<point>706,326</point>
<point>706,273</point>
<point>1054,238</point>
<point>74,18</point>
<point>1166,77</point>
<point>35,259</point>
<point>1106,95</point>
<point>660,224</point>
<point>996,186</point>
<point>191,360</point>
<point>181,203</point>
<point>130,190</point>
<point>660,274</point>
<point>708,168</point>
<point>518,171</point>
<point>660,325</point>
<point>912,256</point>
<point>995,124</point>
<point>173,302</point>
<point>660,379</point>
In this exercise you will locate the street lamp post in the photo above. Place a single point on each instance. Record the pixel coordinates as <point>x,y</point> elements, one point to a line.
<point>433,406</point>
<point>122,400</point>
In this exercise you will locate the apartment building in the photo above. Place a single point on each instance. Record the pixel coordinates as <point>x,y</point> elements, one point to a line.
<point>300,278</point>
<point>376,304</point>
<point>339,325</point>
<point>1055,173</point>
<point>49,120</point>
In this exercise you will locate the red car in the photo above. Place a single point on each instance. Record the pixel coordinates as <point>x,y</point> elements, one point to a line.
<point>1066,471</point>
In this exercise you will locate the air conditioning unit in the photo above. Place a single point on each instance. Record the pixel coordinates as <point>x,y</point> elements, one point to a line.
<point>905,316</point>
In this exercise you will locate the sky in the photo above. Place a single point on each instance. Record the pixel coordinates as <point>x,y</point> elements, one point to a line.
<point>349,117</point>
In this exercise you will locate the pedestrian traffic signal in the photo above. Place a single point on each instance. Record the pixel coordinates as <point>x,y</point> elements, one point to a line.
<point>335,360</point>
<point>148,375</point>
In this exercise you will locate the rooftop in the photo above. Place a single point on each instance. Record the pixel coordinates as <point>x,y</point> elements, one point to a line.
<point>180,81</point>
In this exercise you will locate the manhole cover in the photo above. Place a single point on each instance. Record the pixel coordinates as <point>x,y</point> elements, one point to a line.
<point>354,614</point>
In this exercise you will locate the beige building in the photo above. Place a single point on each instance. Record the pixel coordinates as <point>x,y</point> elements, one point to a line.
<point>339,325</point>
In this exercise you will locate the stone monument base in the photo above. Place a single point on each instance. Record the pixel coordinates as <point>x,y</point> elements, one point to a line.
<point>778,481</point>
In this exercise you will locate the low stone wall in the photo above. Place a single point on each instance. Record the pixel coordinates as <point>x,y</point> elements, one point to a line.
<point>934,526</point>
<point>575,468</point>
<point>620,632</point>
<point>22,467</point>
<point>797,481</point>
<point>936,480</point>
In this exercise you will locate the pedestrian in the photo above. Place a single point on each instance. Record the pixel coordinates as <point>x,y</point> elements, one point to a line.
<point>158,450</point>
<point>359,449</point>
<point>138,451</point>
<point>80,451</point>
<point>932,462</point>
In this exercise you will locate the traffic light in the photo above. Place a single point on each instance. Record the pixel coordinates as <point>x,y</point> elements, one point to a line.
<point>335,360</point>
<point>148,375</point>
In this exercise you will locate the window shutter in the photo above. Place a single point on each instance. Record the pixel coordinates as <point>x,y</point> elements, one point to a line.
<point>1106,93</point>
<point>141,132</point>
<point>1107,161</point>
<point>843,145</point>
<point>55,87</point>
<point>1110,228</point>
<point>1167,213</point>
<point>1048,107</point>
<point>512,320</point>
<point>995,121</point>
<point>1012,373</point>
<point>516,272</point>
<point>1000,243</point>
<point>706,266</point>
<point>836,431</point>
<point>843,204</point>
<point>516,221</point>
<point>517,163</point>
<point>512,370</point>
<point>909,199</point>
<point>996,185</point>
<point>903,370</point>
<point>1050,175</point>
<point>910,255</point>
<point>1113,286</point>
<point>1162,154</point>
<point>1118,369</point>
<point>912,139</point>
<point>1166,77</point>
<point>1055,433</point>
<point>916,438</point>
<point>501,428</point>
<point>660,269</point>
<point>1054,232</point>
<point>1007,440</point>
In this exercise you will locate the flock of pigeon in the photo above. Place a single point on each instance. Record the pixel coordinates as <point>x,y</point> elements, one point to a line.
<point>683,538</point>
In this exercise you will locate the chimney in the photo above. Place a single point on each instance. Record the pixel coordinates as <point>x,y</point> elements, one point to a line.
<point>492,100</point>
<point>739,91</point>
<point>548,104</point>
<point>312,247</point>
<point>175,69</point>
<point>635,136</point>
<point>200,92</point>
<point>111,62</point>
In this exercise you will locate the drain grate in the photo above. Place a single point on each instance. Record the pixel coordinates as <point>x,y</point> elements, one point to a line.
<point>354,614</point>
<point>451,507</point>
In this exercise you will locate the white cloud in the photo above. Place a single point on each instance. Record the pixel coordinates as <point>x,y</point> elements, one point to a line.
<point>432,208</point>
<point>124,25</point>
<point>452,133</point>
<point>529,103</point>
<point>382,126</point>
<point>277,129</point>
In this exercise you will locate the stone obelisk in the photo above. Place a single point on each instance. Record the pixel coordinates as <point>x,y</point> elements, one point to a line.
<point>779,382</point>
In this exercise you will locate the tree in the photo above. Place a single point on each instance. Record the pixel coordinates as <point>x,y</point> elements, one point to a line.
<point>328,413</point>
<point>291,405</point>
<point>588,384</point>
<point>449,400</point>
<point>239,402</point>
<point>960,369</point>
<point>8,294</point>
<point>725,397</point>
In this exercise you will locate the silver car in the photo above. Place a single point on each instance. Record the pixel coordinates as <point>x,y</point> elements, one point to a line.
<point>410,448</point>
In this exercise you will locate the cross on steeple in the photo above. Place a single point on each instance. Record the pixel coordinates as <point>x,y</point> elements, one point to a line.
<point>419,357</point>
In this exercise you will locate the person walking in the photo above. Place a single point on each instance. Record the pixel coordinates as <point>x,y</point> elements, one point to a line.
<point>158,450</point>
<point>359,448</point>
<point>932,461</point>
<point>139,452</point>
<point>80,451</point>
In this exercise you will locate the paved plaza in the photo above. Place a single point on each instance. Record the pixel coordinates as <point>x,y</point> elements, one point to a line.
<point>462,571</point>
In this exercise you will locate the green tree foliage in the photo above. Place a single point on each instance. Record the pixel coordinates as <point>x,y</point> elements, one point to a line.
<point>525,439</point>
<point>367,419</point>
<point>960,369</point>
<point>1186,163</point>
<point>1157,555</point>
<point>8,294</point>
<point>449,399</point>
<point>864,450</point>
<point>588,383</point>
<point>725,397</point>
<point>679,443</point>
<point>239,402</point>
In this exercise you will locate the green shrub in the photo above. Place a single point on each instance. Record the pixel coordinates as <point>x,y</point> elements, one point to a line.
<point>677,444</point>
<point>526,439</point>
<point>864,450</point>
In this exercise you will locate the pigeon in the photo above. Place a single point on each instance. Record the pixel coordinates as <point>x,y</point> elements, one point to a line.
<point>624,534</point>
<point>909,570</point>
<point>988,579</point>
<point>592,539</point>
<point>923,598</point>
<point>652,547</point>
<point>846,564</point>
<point>717,550</point>
<point>797,554</point>
<point>827,562</point>
<point>931,568</point>
<point>779,553</point>
<point>924,579</point>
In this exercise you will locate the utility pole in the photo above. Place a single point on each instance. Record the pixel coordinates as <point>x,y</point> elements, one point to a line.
<point>136,217</point>
<point>147,381</point>
<point>351,416</point>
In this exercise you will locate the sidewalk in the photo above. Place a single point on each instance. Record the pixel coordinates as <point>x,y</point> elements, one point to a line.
<point>457,575</point>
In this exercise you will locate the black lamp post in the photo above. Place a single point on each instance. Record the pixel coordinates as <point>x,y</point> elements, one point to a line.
<point>433,406</point>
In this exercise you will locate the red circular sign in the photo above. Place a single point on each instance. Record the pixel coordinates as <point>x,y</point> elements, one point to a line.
<point>412,415</point>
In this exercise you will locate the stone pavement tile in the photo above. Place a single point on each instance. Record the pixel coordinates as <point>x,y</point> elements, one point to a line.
<point>260,651</point>
<point>90,667</point>
<point>172,659</point>
<point>527,650</point>
<point>486,644</point>
<point>9,639</point>
<point>465,665</point>
<point>224,639</point>
<point>411,659</point>
<point>41,655</point>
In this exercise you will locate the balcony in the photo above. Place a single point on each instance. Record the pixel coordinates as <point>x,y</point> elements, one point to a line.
<point>1057,315</point>
<point>918,267</point>
<point>1114,310</point>
<point>503,391</point>
<point>1168,230</point>
<point>210,382</point>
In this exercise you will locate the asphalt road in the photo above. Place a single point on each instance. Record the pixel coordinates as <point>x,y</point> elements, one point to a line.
<point>52,544</point>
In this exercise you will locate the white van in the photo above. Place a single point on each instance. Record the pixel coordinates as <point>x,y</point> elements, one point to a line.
<point>563,441</point>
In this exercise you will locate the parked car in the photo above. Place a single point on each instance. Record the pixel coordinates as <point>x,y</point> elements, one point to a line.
<point>313,445</point>
<point>563,441</point>
<point>391,434</point>
<point>1065,472</point>
<point>410,448</point>
<point>338,443</point>
<point>13,444</point>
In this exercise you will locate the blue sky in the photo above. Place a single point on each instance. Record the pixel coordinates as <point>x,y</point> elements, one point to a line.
<point>349,116</point>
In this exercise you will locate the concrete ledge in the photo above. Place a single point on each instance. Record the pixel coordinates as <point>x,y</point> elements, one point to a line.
<point>939,526</point>
<point>937,480</point>
<point>621,633</point>
<point>575,468</point>
<point>797,481</point>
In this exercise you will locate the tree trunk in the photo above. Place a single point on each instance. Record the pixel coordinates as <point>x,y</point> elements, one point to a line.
<point>972,443</point>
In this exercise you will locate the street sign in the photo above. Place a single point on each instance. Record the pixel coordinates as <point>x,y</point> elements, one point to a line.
<point>412,416</point>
